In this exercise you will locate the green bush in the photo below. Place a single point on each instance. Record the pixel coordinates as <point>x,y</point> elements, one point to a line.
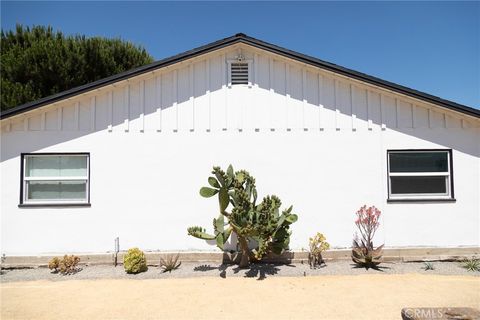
<point>135,261</point>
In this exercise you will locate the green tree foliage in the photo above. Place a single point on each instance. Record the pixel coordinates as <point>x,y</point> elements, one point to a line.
<point>39,62</point>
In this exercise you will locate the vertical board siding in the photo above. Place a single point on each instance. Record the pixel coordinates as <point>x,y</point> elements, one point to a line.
<point>84,121</point>
<point>311,100</point>
<point>101,112</point>
<point>218,109</point>
<point>69,122</point>
<point>328,102</point>
<point>361,111</point>
<point>150,108</point>
<point>184,105</point>
<point>344,114</point>
<point>34,122</point>
<point>51,120</point>
<point>169,116</point>
<point>262,92</point>
<point>200,96</point>
<point>194,95</point>
<point>295,98</point>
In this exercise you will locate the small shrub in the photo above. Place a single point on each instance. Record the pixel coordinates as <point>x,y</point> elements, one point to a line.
<point>135,261</point>
<point>54,264</point>
<point>317,245</point>
<point>66,265</point>
<point>472,264</point>
<point>428,266</point>
<point>363,252</point>
<point>170,263</point>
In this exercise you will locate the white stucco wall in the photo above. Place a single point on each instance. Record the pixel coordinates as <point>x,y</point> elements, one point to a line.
<point>316,141</point>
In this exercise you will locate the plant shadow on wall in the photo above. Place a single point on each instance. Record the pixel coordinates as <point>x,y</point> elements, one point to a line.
<point>364,254</point>
<point>260,226</point>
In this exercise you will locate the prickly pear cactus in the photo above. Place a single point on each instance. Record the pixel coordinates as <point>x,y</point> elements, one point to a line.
<point>261,222</point>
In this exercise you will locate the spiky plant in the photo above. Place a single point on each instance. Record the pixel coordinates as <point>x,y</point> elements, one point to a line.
<point>363,252</point>
<point>170,263</point>
<point>428,266</point>
<point>472,264</point>
<point>261,224</point>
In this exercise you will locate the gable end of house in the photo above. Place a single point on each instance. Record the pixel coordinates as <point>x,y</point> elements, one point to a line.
<point>256,43</point>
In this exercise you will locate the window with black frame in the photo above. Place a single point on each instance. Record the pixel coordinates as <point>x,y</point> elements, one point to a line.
<point>420,175</point>
<point>55,179</point>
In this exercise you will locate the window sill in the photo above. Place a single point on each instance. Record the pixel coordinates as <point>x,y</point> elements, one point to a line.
<point>420,200</point>
<point>58,205</point>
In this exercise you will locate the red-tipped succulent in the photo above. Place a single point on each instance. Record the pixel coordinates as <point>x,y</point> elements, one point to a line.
<point>363,252</point>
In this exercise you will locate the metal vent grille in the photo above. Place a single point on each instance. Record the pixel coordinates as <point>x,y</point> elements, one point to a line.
<point>239,73</point>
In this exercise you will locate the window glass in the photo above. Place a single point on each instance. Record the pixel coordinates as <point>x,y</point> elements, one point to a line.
<point>419,162</point>
<point>423,185</point>
<point>56,166</point>
<point>52,190</point>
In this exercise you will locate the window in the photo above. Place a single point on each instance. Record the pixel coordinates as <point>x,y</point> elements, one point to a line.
<point>420,175</point>
<point>55,179</point>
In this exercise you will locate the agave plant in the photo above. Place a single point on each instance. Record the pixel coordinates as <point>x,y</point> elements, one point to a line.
<point>472,264</point>
<point>428,266</point>
<point>363,251</point>
<point>170,263</point>
<point>258,224</point>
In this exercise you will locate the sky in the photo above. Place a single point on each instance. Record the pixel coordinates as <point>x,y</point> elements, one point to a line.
<point>432,47</point>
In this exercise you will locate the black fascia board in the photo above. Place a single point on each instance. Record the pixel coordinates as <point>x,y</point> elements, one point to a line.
<point>242,38</point>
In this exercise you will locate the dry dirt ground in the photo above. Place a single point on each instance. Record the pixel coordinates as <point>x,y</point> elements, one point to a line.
<point>372,296</point>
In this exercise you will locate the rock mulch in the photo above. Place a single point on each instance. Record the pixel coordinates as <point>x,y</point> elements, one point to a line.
<point>259,271</point>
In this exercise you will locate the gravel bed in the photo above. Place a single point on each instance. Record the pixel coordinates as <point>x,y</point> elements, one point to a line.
<point>259,271</point>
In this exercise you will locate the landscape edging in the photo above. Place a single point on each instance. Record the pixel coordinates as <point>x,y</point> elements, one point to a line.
<point>390,255</point>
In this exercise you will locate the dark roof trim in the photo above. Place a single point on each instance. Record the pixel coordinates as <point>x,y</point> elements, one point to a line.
<point>242,38</point>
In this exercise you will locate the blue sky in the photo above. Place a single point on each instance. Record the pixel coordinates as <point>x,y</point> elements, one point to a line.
<point>429,46</point>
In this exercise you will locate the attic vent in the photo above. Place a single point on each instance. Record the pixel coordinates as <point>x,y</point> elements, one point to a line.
<point>239,73</point>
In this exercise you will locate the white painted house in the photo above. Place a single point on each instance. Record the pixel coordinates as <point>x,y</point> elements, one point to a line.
<point>126,156</point>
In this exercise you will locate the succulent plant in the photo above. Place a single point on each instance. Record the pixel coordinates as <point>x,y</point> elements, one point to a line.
<point>363,251</point>
<point>260,223</point>
<point>428,266</point>
<point>317,245</point>
<point>170,263</point>
<point>134,261</point>
<point>472,264</point>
